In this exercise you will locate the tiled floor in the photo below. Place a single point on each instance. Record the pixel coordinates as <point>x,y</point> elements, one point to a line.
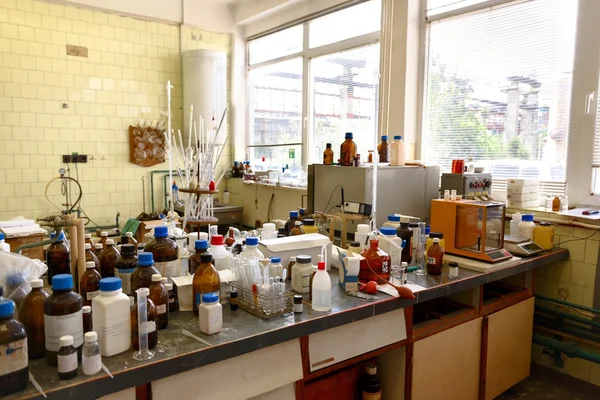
<point>543,384</point>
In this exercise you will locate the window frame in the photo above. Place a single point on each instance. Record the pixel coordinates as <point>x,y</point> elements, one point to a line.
<point>307,54</point>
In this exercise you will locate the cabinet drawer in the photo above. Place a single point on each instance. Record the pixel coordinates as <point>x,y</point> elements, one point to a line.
<point>338,344</point>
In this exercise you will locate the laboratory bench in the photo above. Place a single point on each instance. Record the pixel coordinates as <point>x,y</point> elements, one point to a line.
<point>463,338</point>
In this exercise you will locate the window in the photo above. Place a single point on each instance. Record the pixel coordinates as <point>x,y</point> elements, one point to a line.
<point>498,87</point>
<point>311,83</point>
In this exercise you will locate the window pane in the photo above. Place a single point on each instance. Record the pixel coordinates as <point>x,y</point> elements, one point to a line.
<point>280,44</point>
<point>499,89</point>
<point>435,7</point>
<point>276,103</point>
<point>345,24</point>
<point>343,100</point>
<point>276,158</point>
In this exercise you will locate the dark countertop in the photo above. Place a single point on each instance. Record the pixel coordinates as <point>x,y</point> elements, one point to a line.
<point>243,333</point>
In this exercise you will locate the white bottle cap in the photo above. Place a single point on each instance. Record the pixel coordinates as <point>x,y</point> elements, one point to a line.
<point>129,234</point>
<point>371,369</point>
<point>103,233</point>
<point>37,283</point>
<point>86,309</point>
<point>404,264</point>
<point>90,337</point>
<point>98,246</point>
<point>293,258</point>
<point>297,223</point>
<point>268,226</point>
<point>436,240</point>
<point>156,277</point>
<point>163,280</point>
<point>90,264</point>
<point>87,235</point>
<point>110,241</point>
<point>66,340</point>
<point>169,286</point>
<point>87,246</point>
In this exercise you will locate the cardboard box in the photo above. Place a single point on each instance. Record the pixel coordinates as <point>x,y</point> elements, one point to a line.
<point>510,189</point>
<point>521,197</point>
<point>310,244</point>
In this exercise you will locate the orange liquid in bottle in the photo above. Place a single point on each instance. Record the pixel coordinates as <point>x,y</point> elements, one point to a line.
<point>378,261</point>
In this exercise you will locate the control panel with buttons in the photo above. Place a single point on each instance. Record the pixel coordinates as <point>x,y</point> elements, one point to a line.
<point>470,186</point>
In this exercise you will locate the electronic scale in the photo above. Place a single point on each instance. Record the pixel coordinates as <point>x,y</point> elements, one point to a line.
<point>521,247</point>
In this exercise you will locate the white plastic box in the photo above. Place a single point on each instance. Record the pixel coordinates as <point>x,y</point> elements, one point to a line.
<point>310,244</point>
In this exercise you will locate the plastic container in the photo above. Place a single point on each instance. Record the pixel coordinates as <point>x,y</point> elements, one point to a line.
<point>354,247</point>
<point>67,358</point>
<point>269,231</point>
<point>14,375</point>
<point>526,226</point>
<point>3,245</point>
<point>206,280</point>
<point>129,239</point>
<point>297,229</point>
<point>308,225</point>
<point>142,276</point>
<point>375,265</point>
<point>108,259</point>
<point>91,360</point>
<point>251,249</point>
<point>397,151</point>
<point>150,325</point>
<point>514,225</point>
<point>301,273</point>
<point>391,244</point>
<point>58,258</point>
<point>321,289</point>
<point>348,151</point>
<point>435,258</point>
<point>362,235</point>
<point>125,266</point>
<point>290,223</point>
<point>543,235</point>
<point>405,233</point>
<point>275,267</point>
<point>31,315</point>
<point>393,221</point>
<point>164,251</point>
<point>16,288</point>
<point>200,247</point>
<point>433,235</point>
<point>160,297</point>
<point>89,287</point>
<point>328,155</point>
<point>111,318</point>
<point>221,257</point>
<point>210,314</point>
<point>62,316</point>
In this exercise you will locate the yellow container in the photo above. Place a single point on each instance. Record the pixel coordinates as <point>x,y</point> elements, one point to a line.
<point>543,235</point>
<point>430,241</point>
<point>309,226</point>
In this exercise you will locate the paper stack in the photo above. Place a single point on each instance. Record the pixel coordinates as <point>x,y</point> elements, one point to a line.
<point>20,226</point>
<point>522,193</point>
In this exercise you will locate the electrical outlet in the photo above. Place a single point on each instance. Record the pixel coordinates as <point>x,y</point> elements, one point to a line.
<point>81,159</point>
<point>74,158</point>
<point>66,159</point>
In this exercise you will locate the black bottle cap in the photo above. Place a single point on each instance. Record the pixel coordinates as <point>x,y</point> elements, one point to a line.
<point>303,259</point>
<point>127,250</point>
<point>205,258</point>
<point>434,235</point>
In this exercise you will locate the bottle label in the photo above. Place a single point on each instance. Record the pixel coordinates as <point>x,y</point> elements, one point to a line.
<point>171,300</point>
<point>90,295</point>
<point>148,327</point>
<point>161,308</point>
<point>431,260</point>
<point>115,330</point>
<point>13,357</point>
<point>371,396</point>
<point>91,365</point>
<point>385,267</point>
<point>168,268</point>
<point>125,275</point>
<point>60,325</point>
<point>301,279</point>
<point>67,363</point>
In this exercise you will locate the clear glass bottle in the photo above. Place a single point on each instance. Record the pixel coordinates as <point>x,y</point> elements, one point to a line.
<point>160,297</point>
<point>383,149</point>
<point>150,326</point>
<point>297,230</point>
<point>435,258</point>
<point>58,257</point>
<point>126,265</point>
<point>289,225</point>
<point>348,151</point>
<point>108,258</point>
<point>142,276</point>
<point>91,256</point>
<point>90,283</point>
<point>206,280</point>
<point>164,251</point>
<point>201,247</point>
<point>31,315</point>
<point>14,375</point>
<point>328,155</point>
<point>375,265</point>
<point>67,358</point>
<point>62,315</point>
<point>91,360</point>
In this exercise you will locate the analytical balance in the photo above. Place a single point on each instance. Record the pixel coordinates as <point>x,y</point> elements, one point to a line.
<point>471,228</point>
<point>522,247</point>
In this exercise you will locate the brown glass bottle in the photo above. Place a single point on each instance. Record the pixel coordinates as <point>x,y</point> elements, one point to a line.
<point>108,258</point>
<point>125,266</point>
<point>376,264</point>
<point>289,268</point>
<point>13,342</point>
<point>103,239</point>
<point>91,256</point>
<point>348,151</point>
<point>435,258</point>
<point>383,149</point>
<point>142,276</point>
<point>291,223</point>
<point>164,251</point>
<point>62,316</point>
<point>151,318</point>
<point>405,233</point>
<point>129,239</point>
<point>201,247</point>
<point>297,230</point>
<point>90,284</point>
<point>89,240</point>
<point>58,257</point>
<point>97,250</point>
<point>88,323</point>
<point>160,297</point>
<point>206,280</point>
<point>556,204</point>
<point>31,315</point>
<point>328,155</point>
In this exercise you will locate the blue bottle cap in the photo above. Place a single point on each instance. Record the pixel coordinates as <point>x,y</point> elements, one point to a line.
<point>62,282</point>
<point>302,211</point>
<point>427,230</point>
<point>161,231</point>
<point>384,137</point>
<point>393,218</point>
<point>293,214</point>
<point>252,241</point>
<point>14,279</point>
<point>275,260</point>
<point>235,163</point>
<point>110,284</point>
<point>1,235</point>
<point>349,135</point>
<point>397,137</point>
<point>61,236</point>
<point>527,217</point>
<point>52,235</point>
<point>145,259</point>
<point>201,244</point>
<point>210,298</point>
<point>7,308</point>
<point>388,231</point>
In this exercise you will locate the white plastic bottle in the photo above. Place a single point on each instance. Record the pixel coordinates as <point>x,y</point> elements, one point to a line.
<point>397,152</point>
<point>226,197</point>
<point>514,225</point>
<point>251,249</point>
<point>3,245</point>
<point>393,221</point>
<point>321,289</point>
<point>362,234</point>
<point>210,314</point>
<point>301,273</point>
<point>111,318</point>
<point>268,232</point>
<point>391,244</point>
<point>526,226</point>
<point>275,267</point>
<point>221,257</point>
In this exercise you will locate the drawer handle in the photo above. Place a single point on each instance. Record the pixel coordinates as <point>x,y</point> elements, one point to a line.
<point>327,361</point>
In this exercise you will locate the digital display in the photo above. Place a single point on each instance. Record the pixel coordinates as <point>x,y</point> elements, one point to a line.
<point>494,255</point>
<point>531,247</point>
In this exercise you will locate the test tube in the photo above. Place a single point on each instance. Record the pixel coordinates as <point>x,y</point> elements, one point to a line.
<point>421,256</point>
<point>143,353</point>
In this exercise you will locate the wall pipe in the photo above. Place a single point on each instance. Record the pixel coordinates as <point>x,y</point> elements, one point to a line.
<point>566,303</point>
<point>571,349</point>
<point>568,316</point>
<point>152,185</point>
<point>574,331</point>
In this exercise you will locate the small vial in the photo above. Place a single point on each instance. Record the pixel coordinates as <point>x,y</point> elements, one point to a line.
<point>453,270</point>
<point>67,358</point>
<point>404,273</point>
<point>86,314</point>
<point>233,300</point>
<point>91,360</point>
<point>446,195</point>
<point>396,275</point>
<point>453,195</point>
<point>298,307</point>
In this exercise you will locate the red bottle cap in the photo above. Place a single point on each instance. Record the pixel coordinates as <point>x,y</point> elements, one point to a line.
<point>216,240</point>
<point>211,185</point>
<point>321,265</point>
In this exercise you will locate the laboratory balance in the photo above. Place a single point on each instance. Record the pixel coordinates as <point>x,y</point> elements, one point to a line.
<point>522,247</point>
<point>471,228</point>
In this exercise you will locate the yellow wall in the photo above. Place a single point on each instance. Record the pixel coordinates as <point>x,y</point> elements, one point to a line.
<point>121,82</point>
